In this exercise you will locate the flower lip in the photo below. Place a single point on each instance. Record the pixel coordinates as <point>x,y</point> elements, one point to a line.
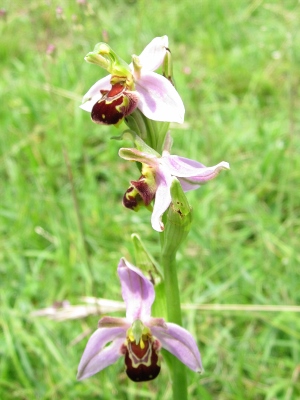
<point>114,105</point>
<point>132,199</point>
<point>142,364</point>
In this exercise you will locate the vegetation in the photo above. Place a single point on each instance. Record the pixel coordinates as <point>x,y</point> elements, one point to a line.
<point>63,227</point>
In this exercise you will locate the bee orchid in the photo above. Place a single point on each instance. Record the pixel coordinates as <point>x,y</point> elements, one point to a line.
<point>132,86</point>
<point>158,172</point>
<point>138,337</point>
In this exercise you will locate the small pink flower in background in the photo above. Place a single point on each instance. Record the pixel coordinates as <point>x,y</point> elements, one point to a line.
<point>138,87</point>
<point>138,337</point>
<point>50,50</point>
<point>3,13</point>
<point>59,12</point>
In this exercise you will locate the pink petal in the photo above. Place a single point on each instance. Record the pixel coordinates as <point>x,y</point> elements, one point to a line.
<point>181,344</point>
<point>162,198</point>
<point>187,185</point>
<point>93,95</point>
<point>154,53</point>
<point>181,166</point>
<point>137,291</point>
<point>209,173</point>
<point>97,355</point>
<point>159,100</point>
<point>190,173</point>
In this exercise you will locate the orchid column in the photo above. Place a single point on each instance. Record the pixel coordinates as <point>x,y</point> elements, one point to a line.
<point>147,102</point>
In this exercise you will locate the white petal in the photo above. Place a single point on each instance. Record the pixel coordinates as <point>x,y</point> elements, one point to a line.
<point>93,95</point>
<point>159,100</point>
<point>162,198</point>
<point>154,53</point>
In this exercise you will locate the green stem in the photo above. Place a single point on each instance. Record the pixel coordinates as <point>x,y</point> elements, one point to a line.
<point>177,221</point>
<point>178,371</point>
<point>156,133</point>
<point>172,289</point>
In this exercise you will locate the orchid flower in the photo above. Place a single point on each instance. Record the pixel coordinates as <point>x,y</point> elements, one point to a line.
<point>132,86</point>
<point>139,337</point>
<point>158,173</point>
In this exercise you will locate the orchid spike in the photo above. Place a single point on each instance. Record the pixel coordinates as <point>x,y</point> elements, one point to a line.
<point>139,337</point>
<point>132,86</point>
<point>157,176</point>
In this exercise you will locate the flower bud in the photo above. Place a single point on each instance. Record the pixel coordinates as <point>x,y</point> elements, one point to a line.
<point>179,218</point>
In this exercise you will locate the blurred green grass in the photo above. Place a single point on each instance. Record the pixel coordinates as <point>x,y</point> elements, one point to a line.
<point>237,69</point>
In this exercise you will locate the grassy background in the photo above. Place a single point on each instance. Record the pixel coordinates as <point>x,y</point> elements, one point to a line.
<point>237,70</point>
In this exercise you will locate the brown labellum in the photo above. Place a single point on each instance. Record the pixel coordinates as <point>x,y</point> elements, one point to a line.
<point>142,364</point>
<point>114,105</point>
<point>146,192</point>
<point>140,192</point>
<point>131,198</point>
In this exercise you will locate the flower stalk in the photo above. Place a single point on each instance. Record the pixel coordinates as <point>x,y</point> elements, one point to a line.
<point>172,296</point>
<point>177,227</point>
<point>153,133</point>
<point>147,102</point>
